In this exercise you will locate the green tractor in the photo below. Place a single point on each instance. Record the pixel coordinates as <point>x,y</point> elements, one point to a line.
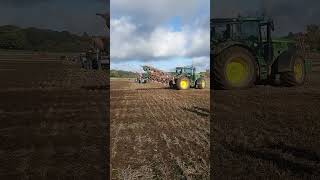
<point>143,78</point>
<point>186,77</point>
<point>244,54</point>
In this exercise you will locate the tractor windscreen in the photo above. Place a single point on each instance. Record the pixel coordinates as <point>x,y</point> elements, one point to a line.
<point>221,32</point>
<point>184,71</point>
<point>236,31</point>
<point>250,30</point>
<point>188,71</point>
<point>179,71</point>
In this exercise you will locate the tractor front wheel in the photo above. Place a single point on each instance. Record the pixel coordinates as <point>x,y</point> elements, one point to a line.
<point>297,75</point>
<point>200,83</point>
<point>183,83</point>
<point>234,68</point>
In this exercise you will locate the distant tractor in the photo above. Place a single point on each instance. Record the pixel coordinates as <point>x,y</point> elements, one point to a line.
<point>143,78</point>
<point>97,56</point>
<point>244,54</point>
<point>186,77</point>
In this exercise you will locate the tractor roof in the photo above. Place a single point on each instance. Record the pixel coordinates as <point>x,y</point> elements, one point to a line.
<point>185,67</point>
<point>237,20</point>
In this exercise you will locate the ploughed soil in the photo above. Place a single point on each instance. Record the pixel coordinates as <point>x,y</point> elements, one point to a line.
<point>53,125</point>
<point>267,132</point>
<point>53,119</point>
<point>158,133</point>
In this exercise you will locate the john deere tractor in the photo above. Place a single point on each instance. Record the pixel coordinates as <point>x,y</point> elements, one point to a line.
<point>143,78</point>
<point>244,54</point>
<point>186,77</point>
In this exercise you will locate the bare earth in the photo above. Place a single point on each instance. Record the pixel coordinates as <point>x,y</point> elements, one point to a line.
<point>53,115</point>
<point>53,121</point>
<point>159,133</point>
<point>267,132</point>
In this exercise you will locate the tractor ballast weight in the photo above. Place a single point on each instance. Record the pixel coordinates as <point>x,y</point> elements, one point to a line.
<point>244,54</point>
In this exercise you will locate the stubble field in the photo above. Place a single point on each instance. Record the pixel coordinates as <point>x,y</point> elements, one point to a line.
<point>268,132</point>
<point>158,133</point>
<point>53,121</point>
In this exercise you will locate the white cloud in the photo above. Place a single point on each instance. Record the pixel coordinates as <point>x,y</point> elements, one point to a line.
<point>202,63</point>
<point>167,43</point>
<point>146,31</point>
<point>156,11</point>
<point>127,42</point>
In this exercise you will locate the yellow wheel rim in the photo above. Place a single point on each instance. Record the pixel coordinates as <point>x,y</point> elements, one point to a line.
<point>203,84</point>
<point>237,71</point>
<point>184,84</point>
<point>298,71</point>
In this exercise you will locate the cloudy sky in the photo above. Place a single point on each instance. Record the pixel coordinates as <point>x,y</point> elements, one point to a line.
<point>164,34</point>
<point>289,15</point>
<point>76,16</point>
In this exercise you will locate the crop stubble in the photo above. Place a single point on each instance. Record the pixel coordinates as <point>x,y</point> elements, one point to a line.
<point>53,119</point>
<point>158,132</point>
<point>268,132</point>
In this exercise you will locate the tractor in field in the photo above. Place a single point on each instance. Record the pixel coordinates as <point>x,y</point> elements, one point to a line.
<point>97,56</point>
<point>186,77</point>
<point>142,78</point>
<point>244,54</point>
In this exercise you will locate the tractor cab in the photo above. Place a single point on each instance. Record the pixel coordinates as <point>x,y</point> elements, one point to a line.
<point>237,29</point>
<point>253,32</point>
<point>188,71</point>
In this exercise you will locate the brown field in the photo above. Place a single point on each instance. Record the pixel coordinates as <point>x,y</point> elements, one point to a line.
<point>158,133</point>
<point>268,132</point>
<point>53,115</point>
<point>52,119</point>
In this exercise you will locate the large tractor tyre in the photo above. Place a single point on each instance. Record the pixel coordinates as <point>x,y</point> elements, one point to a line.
<point>234,68</point>
<point>200,83</point>
<point>297,75</point>
<point>183,83</point>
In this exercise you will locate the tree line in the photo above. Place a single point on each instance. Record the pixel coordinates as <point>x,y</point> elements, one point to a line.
<point>311,37</point>
<point>34,39</point>
<point>122,74</point>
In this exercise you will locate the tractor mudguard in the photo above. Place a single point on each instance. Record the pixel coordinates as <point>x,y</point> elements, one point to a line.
<point>285,61</point>
<point>226,45</point>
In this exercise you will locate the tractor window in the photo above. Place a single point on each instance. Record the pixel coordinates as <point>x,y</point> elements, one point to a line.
<point>220,32</point>
<point>236,31</point>
<point>188,71</point>
<point>250,30</point>
<point>179,71</point>
<point>184,70</point>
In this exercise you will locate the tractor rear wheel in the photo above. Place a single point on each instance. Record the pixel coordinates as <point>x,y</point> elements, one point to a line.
<point>183,83</point>
<point>297,75</point>
<point>201,83</point>
<point>234,68</point>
